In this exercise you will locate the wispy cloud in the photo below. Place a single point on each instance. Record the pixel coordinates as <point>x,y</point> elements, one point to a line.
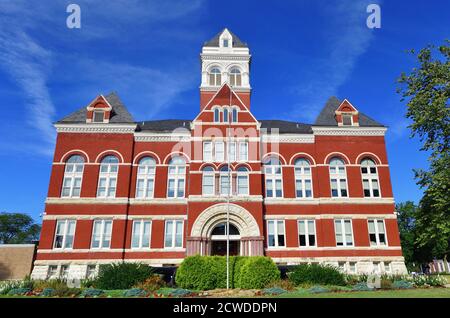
<point>346,38</point>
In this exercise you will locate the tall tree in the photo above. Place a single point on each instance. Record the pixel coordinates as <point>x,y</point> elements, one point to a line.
<point>427,90</point>
<point>17,228</point>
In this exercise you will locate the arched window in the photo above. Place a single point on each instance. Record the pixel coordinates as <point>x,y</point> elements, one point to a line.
<point>274,178</point>
<point>221,229</point>
<point>303,179</point>
<point>226,115</point>
<point>215,77</point>
<point>107,180</point>
<point>235,77</point>
<point>216,115</point>
<point>242,181</point>
<point>145,178</point>
<point>234,115</point>
<point>224,181</point>
<point>73,174</point>
<point>176,177</point>
<point>208,181</point>
<point>338,178</point>
<point>370,178</point>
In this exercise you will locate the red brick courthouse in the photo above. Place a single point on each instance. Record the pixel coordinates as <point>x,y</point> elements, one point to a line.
<point>157,191</point>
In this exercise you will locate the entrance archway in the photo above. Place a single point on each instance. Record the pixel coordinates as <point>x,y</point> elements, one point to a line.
<point>219,240</point>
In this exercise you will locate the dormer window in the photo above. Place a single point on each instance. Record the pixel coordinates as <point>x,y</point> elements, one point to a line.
<point>225,43</point>
<point>347,119</point>
<point>98,116</point>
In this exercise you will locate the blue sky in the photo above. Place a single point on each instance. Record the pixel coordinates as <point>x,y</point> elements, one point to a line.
<point>148,51</point>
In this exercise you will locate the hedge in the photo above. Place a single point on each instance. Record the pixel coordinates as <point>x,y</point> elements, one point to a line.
<point>209,272</point>
<point>121,275</point>
<point>317,274</point>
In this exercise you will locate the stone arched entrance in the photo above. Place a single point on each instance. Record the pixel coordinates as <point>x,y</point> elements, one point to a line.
<point>200,240</point>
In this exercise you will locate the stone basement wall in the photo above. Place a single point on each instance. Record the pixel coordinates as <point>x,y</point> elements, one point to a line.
<point>16,260</point>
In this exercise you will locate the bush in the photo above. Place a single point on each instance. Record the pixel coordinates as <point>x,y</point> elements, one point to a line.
<point>318,290</point>
<point>135,292</point>
<point>316,274</point>
<point>91,292</point>
<point>274,291</point>
<point>19,291</point>
<point>401,284</point>
<point>6,286</point>
<point>385,283</point>
<point>121,275</point>
<point>257,272</point>
<point>282,283</point>
<point>362,287</point>
<point>48,292</point>
<point>152,283</point>
<point>194,273</point>
<point>429,280</point>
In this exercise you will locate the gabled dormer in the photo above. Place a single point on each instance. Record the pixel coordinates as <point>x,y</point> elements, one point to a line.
<point>347,114</point>
<point>98,111</point>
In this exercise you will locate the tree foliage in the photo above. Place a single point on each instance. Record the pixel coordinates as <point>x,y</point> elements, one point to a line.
<point>18,228</point>
<point>426,89</point>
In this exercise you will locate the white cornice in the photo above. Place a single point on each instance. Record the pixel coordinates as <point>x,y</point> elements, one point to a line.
<point>162,137</point>
<point>96,128</point>
<point>315,201</point>
<point>349,131</point>
<point>220,56</point>
<point>288,138</point>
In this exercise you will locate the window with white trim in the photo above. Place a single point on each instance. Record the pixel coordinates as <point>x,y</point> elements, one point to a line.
<point>307,232</point>
<point>145,182</point>
<point>140,237</point>
<point>176,177</point>
<point>73,174</point>
<point>98,116</point>
<point>91,271</point>
<point>215,77</point>
<point>235,77</point>
<point>231,151</point>
<point>226,114</point>
<point>64,234</point>
<point>377,232</point>
<point>275,230</point>
<point>242,181</point>
<point>217,115</point>
<point>370,178</point>
<point>207,151</point>
<point>303,178</point>
<point>224,180</point>
<point>274,178</point>
<point>347,119</point>
<point>52,271</point>
<point>243,151</point>
<point>173,235</point>
<point>344,232</point>
<point>219,151</point>
<point>101,234</point>
<point>107,180</point>
<point>234,115</point>
<point>64,271</point>
<point>338,178</point>
<point>208,181</point>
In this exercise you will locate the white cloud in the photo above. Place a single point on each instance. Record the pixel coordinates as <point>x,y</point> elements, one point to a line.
<point>346,39</point>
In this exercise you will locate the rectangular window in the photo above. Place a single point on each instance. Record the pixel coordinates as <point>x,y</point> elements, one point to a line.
<point>347,119</point>
<point>352,267</point>
<point>52,271</point>
<point>98,116</point>
<point>207,151</point>
<point>224,184</point>
<point>65,231</point>
<point>377,233</point>
<point>64,271</point>
<point>242,185</point>
<point>232,151</point>
<point>91,271</point>
<point>307,232</point>
<point>173,234</point>
<point>101,234</point>
<point>219,151</point>
<point>141,234</point>
<point>208,184</point>
<point>343,232</point>
<point>243,151</point>
<point>276,233</point>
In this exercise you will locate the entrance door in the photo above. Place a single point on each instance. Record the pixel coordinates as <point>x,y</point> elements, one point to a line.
<point>220,248</point>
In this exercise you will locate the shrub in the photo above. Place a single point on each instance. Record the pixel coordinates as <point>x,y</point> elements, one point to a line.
<point>19,291</point>
<point>135,292</point>
<point>6,286</point>
<point>48,292</point>
<point>385,283</point>
<point>317,274</point>
<point>121,275</point>
<point>152,283</point>
<point>428,280</point>
<point>401,284</point>
<point>318,290</point>
<point>282,283</point>
<point>257,272</point>
<point>91,292</point>
<point>194,273</point>
<point>274,291</point>
<point>362,287</point>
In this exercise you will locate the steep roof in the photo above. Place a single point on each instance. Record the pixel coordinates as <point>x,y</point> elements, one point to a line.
<point>119,113</point>
<point>326,116</point>
<point>166,125</point>
<point>214,42</point>
<point>286,127</point>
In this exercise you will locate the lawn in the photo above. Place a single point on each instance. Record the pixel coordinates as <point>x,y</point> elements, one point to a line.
<point>409,293</point>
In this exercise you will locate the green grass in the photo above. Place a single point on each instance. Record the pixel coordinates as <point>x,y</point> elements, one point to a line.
<point>410,293</point>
